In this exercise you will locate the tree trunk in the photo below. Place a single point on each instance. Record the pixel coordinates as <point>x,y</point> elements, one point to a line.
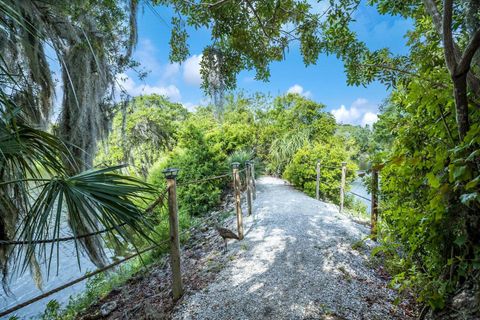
<point>461,104</point>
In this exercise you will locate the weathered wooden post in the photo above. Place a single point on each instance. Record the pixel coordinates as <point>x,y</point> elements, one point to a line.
<point>238,205</point>
<point>342,185</point>
<point>374,206</point>
<point>317,186</point>
<point>252,175</point>
<point>248,173</point>
<point>177,285</point>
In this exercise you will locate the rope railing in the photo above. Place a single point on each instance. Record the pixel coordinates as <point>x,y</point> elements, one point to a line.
<point>360,196</point>
<point>177,286</point>
<point>199,181</point>
<point>158,201</point>
<point>332,167</point>
<point>96,272</point>
<point>77,280</point>
<point>374,195</point>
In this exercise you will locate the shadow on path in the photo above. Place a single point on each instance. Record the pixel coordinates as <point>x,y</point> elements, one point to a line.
<point>295,262</point>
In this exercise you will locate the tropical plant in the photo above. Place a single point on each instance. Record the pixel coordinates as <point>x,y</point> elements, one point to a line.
<point>44,186</point>
<point>38,197</point>
<point>197,157</point>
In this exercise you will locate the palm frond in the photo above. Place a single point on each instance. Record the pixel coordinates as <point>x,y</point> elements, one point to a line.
<point>90,201</point>
<point>283,148</point>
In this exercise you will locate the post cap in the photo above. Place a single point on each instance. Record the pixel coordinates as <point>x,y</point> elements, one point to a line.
<point>170,173</point>
<point>344,163</point>
<point>235,165</point>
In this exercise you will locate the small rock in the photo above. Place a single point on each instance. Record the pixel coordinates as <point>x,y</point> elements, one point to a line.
<point>464,300</point>
<point>108,308</point>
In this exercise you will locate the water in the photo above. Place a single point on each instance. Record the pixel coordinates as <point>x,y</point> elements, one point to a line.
<point>358,187</point>
<point>23,287</point>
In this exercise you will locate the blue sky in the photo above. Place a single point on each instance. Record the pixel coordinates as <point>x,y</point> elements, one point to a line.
<point>324,82</point>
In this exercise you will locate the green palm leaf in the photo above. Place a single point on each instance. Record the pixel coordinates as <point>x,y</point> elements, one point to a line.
<point>93,200</point>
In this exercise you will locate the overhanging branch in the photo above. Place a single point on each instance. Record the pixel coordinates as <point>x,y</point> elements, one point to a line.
<point>472,47</point>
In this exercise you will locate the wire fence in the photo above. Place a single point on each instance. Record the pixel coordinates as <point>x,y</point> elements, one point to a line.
<point>374,190</point>
<point>159,201</point>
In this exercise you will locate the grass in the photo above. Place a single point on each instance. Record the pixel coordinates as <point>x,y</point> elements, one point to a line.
<point>97,288</point>
<point>359,245</point>
<point>346,275</point>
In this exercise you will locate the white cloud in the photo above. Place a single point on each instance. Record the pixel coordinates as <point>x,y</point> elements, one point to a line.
<point>360,103</point>
<point>170,91</point>
<point>361,112</point>
<point>298,89</point>
<point>191,70</point>
<point>171,70</point>
<point>190,106</point>
<point>124,82</point>
<point>344,115</point>
<point>369,118</point>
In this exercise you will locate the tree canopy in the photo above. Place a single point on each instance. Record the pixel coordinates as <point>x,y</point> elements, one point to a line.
<point>426,142</point>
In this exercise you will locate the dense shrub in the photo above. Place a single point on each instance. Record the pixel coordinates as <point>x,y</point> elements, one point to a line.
<point>302,173</point>
<point>196,158</point>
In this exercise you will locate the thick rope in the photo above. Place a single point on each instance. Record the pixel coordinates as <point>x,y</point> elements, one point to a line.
<point>360,196</point>
<point>73,282</point>
<point>159,200</point>
<point>100,270</point>
<point>182,184</point>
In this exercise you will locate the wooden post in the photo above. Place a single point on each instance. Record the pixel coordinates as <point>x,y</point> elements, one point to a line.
<point>238,205</point>
<point>177,285</point>
<point>374,206</point>
<point>317,187</point>
<point>252,176</point>
<point>248,172</point>
<point>342,185</point>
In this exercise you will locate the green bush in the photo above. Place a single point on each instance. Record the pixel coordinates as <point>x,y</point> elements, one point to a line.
<point>196,158</point>
<point>301,170</point>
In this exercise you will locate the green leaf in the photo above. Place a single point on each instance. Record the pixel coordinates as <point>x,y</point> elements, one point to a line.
<point>433,180</point>
<point>472,184</point>
<point>460,240</point>
<point>473,155</point>
<point>467,198</point>
<point>93,200</point>
<point>459,172</point>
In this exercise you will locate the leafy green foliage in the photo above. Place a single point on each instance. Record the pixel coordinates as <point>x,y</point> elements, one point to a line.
<point>37,188</point>
<point>288,125</point>
<point>247,35</point>
<point>429,191</point>
<point>142,133</point>
<point>301,170</point>
<point>357,142</point>
<point>197,159</point>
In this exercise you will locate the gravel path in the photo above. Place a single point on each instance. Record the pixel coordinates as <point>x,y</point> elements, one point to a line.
<point>296,262</point>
